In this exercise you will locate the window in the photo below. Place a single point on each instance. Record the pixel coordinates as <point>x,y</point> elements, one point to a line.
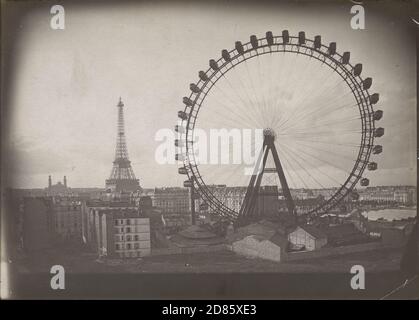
<point>128,246</point>
<point>136,238</point>
<point>128,222</point>
<point>117,246</point>
<point>128,229</point>
<point>128,238</point>
<point>116,222</point>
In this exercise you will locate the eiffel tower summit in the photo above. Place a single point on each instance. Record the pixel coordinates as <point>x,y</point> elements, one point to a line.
<point>122,178</point>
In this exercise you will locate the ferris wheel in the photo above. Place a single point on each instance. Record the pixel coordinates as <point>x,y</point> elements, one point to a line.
<point>316,115</point>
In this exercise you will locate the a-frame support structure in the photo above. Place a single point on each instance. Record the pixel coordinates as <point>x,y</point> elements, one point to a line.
<point>248,210</point>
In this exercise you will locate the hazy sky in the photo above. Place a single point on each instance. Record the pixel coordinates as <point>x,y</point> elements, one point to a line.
<point>68,82</point>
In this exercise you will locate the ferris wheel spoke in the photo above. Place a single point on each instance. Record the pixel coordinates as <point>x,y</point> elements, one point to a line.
<point>338,96</point>
<point>334,144</point>
<point>326,133</point>
<point>291,77</point>
<point>316,94</point>
<point>302,84</point>
<point>254,107</point>
<point>319,113</point>
<point>218,120</point>
<point>282,87</point>
<point>241,108</point>
<point>277,94</point>
<point>334,126</point>
<point>271,89</point>
<point>325,151</point>
<point>246,122</point>
<point>265,84</point>
<point>322,161</point>
<point>346,107</point>
<point>243,101</point>
<point>264,104</point>
<point>241,114</point>
<point>346,145</point>
<point>244,88</point>
<point>326,189</point>
<point>260,106</point>
<point>329,125</point>
<point>231,121</point>
<point>331,105</point>
<point>300,105</point>
<point>292,81</point>
<point>302,113</point>
<point>303,167</point>
<point>288,163</point>
<point>327,109</point>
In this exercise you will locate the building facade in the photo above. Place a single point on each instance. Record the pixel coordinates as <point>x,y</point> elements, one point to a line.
<point>38,224</point>
<point>403,195</point>
<point>172,200</point>
<point>67,213</point>
<point>307,237</point>
<point>116,230</point>
<point>58,189</point>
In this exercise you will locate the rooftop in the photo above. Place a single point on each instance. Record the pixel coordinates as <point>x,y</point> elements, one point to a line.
<point>315,232</point>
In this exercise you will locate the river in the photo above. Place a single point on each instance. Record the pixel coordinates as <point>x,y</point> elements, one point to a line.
<point>390,214</point>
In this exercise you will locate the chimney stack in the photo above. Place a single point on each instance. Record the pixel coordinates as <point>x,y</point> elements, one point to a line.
<point>49,182</point>
<point>65,181</point>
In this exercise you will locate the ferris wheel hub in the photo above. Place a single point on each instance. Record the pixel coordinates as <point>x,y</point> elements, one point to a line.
<point>269,133</point>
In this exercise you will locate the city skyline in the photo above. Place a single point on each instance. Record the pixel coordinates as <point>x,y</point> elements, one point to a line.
<point>59,181</point>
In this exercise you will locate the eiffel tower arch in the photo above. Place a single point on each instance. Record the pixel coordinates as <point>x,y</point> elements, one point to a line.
<point>122,178</point>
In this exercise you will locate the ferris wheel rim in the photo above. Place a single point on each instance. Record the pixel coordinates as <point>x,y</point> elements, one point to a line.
<point>232,59</point>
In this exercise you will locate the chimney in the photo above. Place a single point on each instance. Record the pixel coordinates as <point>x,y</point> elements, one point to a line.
<point>49,182</point>
<point>65,181</point>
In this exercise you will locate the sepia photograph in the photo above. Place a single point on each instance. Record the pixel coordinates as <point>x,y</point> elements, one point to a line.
<point>209,150</point>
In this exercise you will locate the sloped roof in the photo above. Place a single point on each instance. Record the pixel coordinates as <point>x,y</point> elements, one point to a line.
<point>181,241</point>
<point>279,239</point>
<point>263,230</point>
<point>197,232</point>
<point>312,230</point>
<point>340,231</point>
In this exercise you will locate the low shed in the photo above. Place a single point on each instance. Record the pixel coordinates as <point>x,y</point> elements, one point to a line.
<point>307,237</point>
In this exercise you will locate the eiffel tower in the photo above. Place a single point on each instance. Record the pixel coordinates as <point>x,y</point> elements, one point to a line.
<point>122,178</point>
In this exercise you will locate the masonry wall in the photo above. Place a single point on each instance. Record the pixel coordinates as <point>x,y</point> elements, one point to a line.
<point>110,236</point>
